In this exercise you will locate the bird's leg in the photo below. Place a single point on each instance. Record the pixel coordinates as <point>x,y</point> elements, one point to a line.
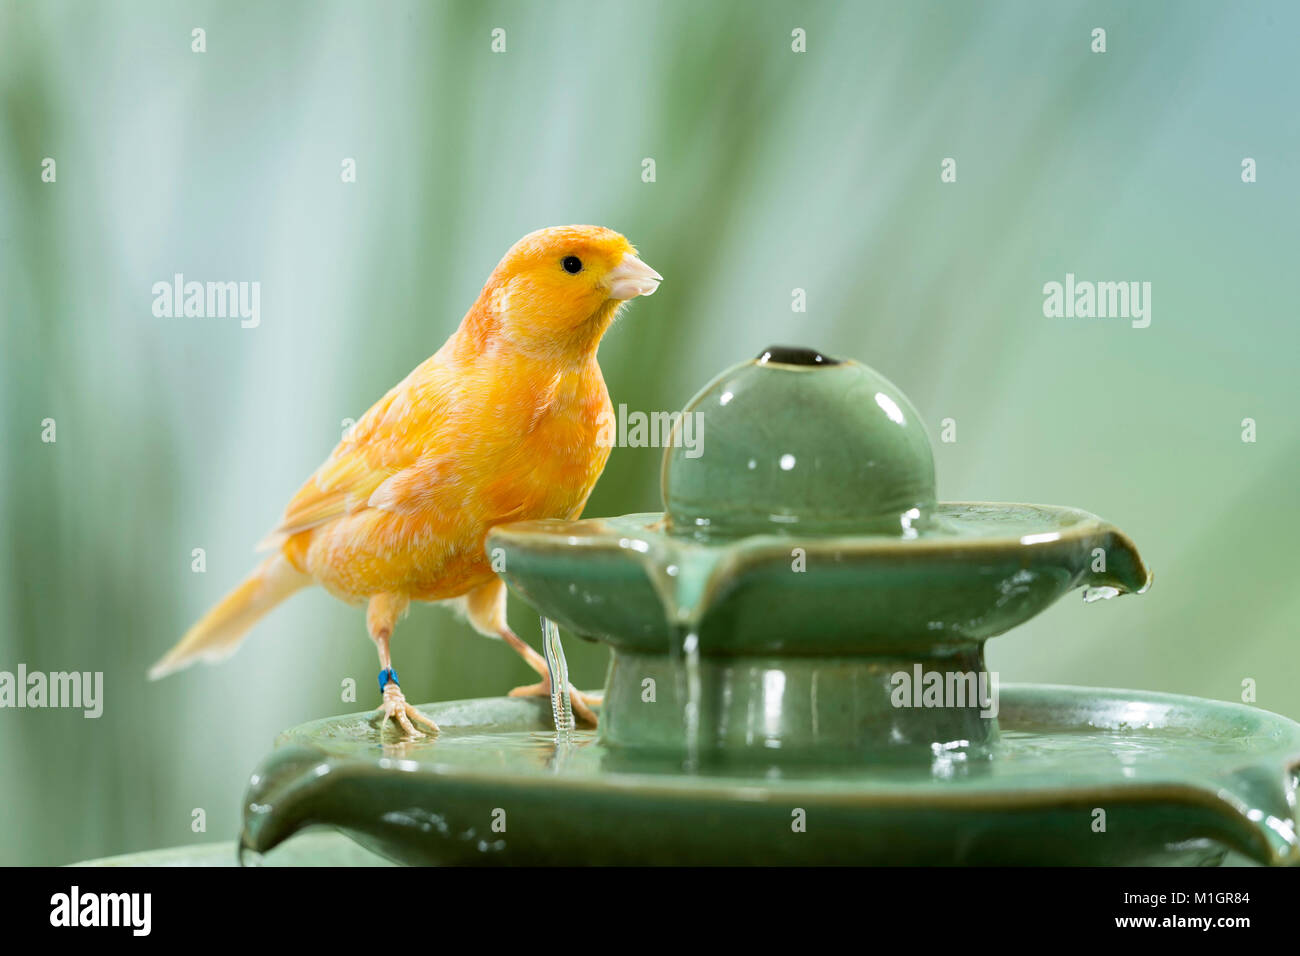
<point>485,607</point>
<point>382,615</point>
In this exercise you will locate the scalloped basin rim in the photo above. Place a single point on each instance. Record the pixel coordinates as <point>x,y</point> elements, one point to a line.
<point>1062,522</point>
<point>978,569</point>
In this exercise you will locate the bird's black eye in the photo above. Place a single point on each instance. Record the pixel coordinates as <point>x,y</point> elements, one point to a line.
<point>571,264</point>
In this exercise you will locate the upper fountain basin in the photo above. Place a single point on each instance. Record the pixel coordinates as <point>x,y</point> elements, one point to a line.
<point>977,570</point>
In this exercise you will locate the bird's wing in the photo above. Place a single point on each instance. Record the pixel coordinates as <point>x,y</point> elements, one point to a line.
<point>396,434</point>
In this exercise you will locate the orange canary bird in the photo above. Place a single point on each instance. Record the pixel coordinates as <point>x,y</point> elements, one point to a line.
<point>501,424</point>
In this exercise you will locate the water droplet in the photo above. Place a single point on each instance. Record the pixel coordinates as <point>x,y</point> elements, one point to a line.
<point>1102,593</point>
<point>691,711</point>
<point>245,855</point>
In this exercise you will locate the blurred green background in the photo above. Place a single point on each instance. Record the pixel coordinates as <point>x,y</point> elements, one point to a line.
<point>775,170</point>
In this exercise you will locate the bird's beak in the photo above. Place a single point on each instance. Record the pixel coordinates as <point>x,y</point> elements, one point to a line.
<point>631,278</point>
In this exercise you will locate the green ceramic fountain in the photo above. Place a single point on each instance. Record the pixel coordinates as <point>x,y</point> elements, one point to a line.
<point>797,676</point>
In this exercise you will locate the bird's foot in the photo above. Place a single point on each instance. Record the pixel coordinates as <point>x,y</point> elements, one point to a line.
<point>582,703</point>
<point>395,707</point>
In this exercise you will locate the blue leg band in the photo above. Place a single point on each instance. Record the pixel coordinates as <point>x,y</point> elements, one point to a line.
<point>386,675</point>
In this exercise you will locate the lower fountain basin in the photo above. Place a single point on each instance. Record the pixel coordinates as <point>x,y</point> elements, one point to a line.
<point>1077,776</point>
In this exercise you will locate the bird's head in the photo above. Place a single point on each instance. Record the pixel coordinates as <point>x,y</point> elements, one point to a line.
<point>558,289</point>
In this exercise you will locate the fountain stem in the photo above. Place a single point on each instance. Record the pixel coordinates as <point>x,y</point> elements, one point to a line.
<point>826,708</point>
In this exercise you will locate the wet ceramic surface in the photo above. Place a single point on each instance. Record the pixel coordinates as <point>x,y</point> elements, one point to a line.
<point>1180,780</point>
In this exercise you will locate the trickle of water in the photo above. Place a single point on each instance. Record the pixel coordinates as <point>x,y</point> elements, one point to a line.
<point>682,583</point>
<point>691,657</point>
<point>1102,593</point>
<point>561,703</point>
<point>684,651</point>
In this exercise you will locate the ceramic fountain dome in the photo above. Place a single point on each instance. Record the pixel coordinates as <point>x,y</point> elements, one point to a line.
<point>798,442</point>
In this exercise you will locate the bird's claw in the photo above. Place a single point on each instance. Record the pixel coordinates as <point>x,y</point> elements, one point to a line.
<point>395,708</point>
<point>582,703</point>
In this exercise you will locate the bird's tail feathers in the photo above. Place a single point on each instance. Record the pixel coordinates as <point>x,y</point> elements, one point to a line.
<point>217,634</point>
